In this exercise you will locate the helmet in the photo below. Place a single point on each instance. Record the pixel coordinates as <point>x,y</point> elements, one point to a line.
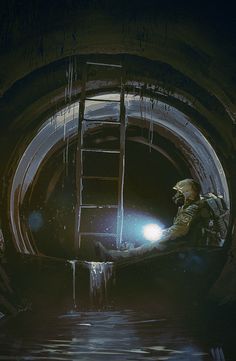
<point>189,188</point>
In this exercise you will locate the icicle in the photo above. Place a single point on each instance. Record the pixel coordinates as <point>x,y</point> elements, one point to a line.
<point>73,266</point>
<point>71,75</point>
<point>150,135</point>
<point>65,95</point>
<point>75,68</point>
<point>151,127</point>
<point>71,80</point>
<point>73,112</point>
<point>67,156</point>
<point>100,273</point>
<point>68,79</point>
<point>64,127</point>
<point>55,122</point>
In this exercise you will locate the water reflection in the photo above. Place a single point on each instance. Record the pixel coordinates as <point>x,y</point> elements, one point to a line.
<point>111,335</point>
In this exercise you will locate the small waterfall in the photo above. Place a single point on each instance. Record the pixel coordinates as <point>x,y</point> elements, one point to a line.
<point>73,266</point>
<point>100,273</point>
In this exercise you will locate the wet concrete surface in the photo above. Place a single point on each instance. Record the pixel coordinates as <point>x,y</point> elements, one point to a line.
<point>110,335</point>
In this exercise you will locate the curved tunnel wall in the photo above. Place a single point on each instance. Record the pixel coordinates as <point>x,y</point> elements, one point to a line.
<point>62,127</point>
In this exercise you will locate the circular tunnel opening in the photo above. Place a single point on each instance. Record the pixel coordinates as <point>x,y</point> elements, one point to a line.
<point>50,213</point>
<point>162,147</point>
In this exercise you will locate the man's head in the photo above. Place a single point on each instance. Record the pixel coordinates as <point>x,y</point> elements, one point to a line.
<point>186,190</point>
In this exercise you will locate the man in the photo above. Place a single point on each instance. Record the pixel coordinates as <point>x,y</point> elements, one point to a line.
<point>189,221</point>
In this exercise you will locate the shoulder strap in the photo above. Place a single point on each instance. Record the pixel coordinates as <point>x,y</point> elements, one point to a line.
<point>217,205</point>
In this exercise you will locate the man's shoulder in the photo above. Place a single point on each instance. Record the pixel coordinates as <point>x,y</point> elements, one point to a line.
<point>188,213</point>
<point>193,208</point>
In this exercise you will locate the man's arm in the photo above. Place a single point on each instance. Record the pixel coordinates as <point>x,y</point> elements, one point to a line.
<point>181,224</point>
<point>179,228</point>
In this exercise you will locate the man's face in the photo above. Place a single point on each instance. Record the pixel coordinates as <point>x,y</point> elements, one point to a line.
<point>178,198</point>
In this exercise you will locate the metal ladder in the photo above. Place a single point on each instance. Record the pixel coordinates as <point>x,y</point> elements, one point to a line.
<point>80,176</point>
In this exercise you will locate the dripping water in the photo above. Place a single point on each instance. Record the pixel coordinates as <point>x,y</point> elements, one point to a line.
<point>67,156</point>
<point>100,274</point>
<point>73,266</point>
<point>151,128</point>
<point>71,76</point>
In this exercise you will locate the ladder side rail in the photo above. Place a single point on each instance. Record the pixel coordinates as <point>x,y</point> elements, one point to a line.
<point>79,159</point>
<point>79,163</point>
<point>120,213</point>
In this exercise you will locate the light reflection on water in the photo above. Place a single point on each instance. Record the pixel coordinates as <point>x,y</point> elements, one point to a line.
<point>110,335</point>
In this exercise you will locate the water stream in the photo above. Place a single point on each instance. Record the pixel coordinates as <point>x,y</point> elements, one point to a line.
<point>73,266</point>
<point>100,274</point>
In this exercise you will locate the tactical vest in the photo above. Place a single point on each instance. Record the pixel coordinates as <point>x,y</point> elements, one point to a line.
<point>215,216</point>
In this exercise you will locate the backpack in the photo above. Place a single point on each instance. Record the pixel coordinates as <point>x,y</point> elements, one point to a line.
<point>216,223</point>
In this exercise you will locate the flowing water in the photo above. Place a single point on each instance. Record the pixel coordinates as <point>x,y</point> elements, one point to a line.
<point>111,335</point>
<point>74,280</point>
<point>100,274</point>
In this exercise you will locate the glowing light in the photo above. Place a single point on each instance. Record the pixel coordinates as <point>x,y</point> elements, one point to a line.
<point>152,232</point>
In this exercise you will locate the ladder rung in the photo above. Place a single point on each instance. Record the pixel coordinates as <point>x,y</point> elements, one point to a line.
<point>96,150</point>
<point>99,177</point>
<point>98,206</point>
<point>101,121</point>
<point>104,64</point>
<point>97,234</point>
<point>103,100</point>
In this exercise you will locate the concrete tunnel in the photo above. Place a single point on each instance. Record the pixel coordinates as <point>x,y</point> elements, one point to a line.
<point>180,108</point>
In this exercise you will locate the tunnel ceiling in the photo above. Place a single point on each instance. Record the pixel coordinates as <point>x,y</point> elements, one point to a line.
<point>185,35</point>
<point>183,49</point>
